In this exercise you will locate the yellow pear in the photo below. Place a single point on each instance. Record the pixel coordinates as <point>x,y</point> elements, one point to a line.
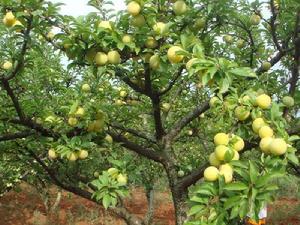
<point>151,42</point>
<point>211,173</point>
<point>105,24</point>
<point>265,131</point>
<point>263,101</point>
<point>83,154</point>
<point>173,55</point>
<point>220,152</point>
<point>133,8</point>
<point>113,57</point>
<point>126,39</point>
<point>52,154</point>
<point>221,139</point>
<point>9,19</point>
<point>179,7</point>
<point>7,65</point>
<point>278,146</point>
<point>101,59</point>
<point>154,62</point>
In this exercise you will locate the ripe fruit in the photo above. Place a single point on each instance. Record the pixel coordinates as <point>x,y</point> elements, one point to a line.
<point>190,63</point>
<point>240,43</point>
<point>266,66</point>
<point>263,101</point>
<point>238,144</point>
<point>154,62</point>
<point>211,173</point>
<point>200,23</point>
<point>123,94</point>
<point>122,179</point>
<point>166,107</point>
<point>50,36</point>
<point>241,113</point>
<point>213,160</point>
<point>80,112</point>
<point>179,7</point>
<point>226,167</point>
<point>113,57</point>
<point>173,56</point>
<point>278,146</point>
<point>72,157</point>
<point>7,65</point>
<point>160,28</point>
<point>83,154</point>
<point>113,172</point>
<point>288,101</point>
<point>180,173</point>
<point>9,19</point>
<point>105,24</point>
<point>133,8</point>
<point>126,39</point>
<point>264,144</point>
<point>72,121</point>
<point>257,124</point>
<point>86,88</point>
<point>52,154</point>
<point>214,101</point>
<point>236,156</point>
<point>265,131</point>
<point>18,23</point>
<point>190,132</point>
<point>228,39</point>
<point>220,152</point>
<point>221,139</point>
<point>101,59</point>
<point>227,175</point>
<point>109,139</point>
<point>255,19</point>
<point>138,21</point>
<point>151,42</point>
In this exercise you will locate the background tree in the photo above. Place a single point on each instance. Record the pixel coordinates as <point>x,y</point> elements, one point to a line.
<point>142,96</point>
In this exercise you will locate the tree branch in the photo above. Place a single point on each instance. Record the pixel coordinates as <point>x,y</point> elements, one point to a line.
<point>133,131</point>
<point>23,51</point>
<point>14,99</point>
<point>173,82</point>
<point>22,134</point>
<point>180,124</point>
<point>148,153</point>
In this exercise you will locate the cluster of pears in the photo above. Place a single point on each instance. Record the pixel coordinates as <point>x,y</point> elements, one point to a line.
<point>9,20</point>
<point>134,9</point>
<point>73,156</point>
<point>73,117</point>
<point>269,144</point>
<point>112,57</point>
<point>263,101</point>
<point>119,177</point>
<point>227,147</point>
<point>120,101</point>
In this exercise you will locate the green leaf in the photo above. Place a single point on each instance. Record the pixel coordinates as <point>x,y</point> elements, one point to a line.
<point>253,171</point>
<point>293,158</point>
<point>232,201</point>
<point>195,209</point>
<point>294,138</point>
<point>237,186</point>
<point>106,201</point>
<point>242,72</point>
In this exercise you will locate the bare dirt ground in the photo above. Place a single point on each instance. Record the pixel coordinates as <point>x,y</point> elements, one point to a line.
<point>27,208</point>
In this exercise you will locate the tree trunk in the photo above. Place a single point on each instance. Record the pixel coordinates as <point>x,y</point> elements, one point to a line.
<point>179,201</point>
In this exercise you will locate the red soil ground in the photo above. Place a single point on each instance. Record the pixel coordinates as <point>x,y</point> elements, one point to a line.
<point>27,208</point>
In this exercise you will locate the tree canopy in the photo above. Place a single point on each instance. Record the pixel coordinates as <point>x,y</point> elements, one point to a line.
<point>200,95</point>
